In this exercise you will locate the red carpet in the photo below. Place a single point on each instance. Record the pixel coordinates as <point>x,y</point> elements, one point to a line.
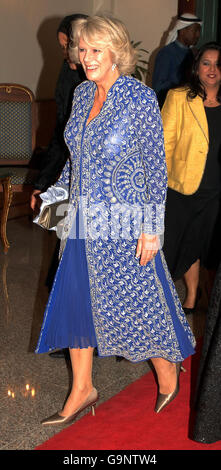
<point>127,421</point>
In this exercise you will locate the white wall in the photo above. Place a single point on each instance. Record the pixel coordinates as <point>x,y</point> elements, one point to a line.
<point>147,21</point>
<point>28,48</point>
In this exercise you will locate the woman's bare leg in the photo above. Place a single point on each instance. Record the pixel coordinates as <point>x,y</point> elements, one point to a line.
<point>81,361</point>
<point>191,278</point>
<point>166,374</point>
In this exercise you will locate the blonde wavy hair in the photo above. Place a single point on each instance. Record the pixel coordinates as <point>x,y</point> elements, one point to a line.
<point>105,32</point>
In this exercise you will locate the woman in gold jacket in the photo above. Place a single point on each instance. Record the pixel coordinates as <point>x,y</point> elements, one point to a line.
<point>192,132</point>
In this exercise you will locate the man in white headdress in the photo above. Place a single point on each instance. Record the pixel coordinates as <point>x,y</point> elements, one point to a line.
<point>174,60</point>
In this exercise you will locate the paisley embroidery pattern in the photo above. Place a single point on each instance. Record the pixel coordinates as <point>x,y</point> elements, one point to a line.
<point>118,158</point>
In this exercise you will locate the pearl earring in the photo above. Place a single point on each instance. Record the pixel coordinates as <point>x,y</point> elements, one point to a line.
<point>113,67</point>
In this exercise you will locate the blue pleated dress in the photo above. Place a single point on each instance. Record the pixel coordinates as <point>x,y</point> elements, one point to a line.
<point>68,316</point>
<point>68,321</point>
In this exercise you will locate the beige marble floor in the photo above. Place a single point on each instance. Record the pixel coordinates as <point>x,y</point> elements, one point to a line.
<point>35,386</point>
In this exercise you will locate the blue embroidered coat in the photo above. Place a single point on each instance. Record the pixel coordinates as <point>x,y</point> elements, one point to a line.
<point>116,161</point>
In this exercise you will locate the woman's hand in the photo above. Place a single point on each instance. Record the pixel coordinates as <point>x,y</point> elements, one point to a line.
<point>147,248</point>
<point>35,199</point>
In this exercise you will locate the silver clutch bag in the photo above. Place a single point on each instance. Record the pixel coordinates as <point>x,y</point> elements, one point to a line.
<point>49,217</point>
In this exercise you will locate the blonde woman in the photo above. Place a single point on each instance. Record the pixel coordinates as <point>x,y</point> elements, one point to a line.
<point>112,289</point>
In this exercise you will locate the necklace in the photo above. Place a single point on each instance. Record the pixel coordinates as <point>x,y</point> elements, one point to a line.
<point>211,101</point>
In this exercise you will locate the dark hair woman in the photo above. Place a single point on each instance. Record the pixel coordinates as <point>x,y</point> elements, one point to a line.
<point>192,121</point>
<point>196,88</point>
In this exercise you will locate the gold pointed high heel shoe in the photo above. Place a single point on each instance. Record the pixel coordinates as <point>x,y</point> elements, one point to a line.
<point>164,399</point>
<point>57,418</point>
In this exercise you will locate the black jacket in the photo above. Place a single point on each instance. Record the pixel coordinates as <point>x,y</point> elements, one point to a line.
<point>57,152</point>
